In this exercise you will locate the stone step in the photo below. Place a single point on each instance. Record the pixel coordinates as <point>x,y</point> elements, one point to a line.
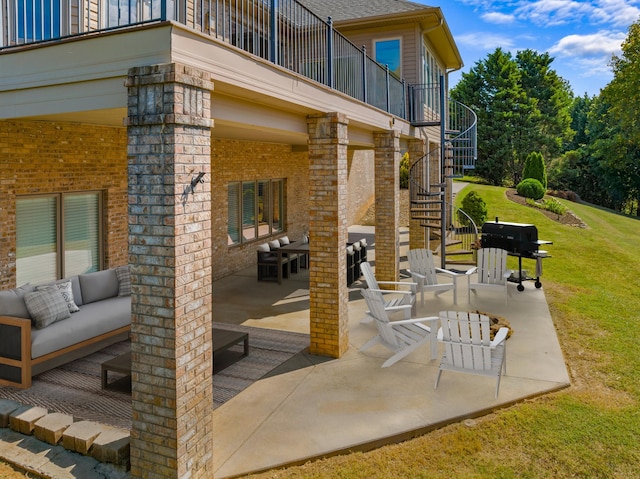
<point>103,443</point>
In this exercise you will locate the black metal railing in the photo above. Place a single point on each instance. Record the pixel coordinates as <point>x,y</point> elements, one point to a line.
<point>283,32</point>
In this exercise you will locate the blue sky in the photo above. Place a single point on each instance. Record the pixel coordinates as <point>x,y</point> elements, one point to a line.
<point>580,35</point>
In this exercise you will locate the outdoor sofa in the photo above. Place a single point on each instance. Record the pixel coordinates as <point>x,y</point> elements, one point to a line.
<point>45,326</point>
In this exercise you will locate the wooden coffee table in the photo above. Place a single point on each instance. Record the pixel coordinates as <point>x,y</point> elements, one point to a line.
<point>223,339</point>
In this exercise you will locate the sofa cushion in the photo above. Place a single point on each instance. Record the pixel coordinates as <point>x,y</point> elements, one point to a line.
<point>46,307</point>
<point>91,321</point>
<point>274,245</point>
<point>63,287</point>
<point>99,285</point>
<point>124,279</point>
<point>12,302</point>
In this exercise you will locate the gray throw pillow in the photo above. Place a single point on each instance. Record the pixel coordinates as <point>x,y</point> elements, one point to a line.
<point>46,307</point>
<point>12,302</point>
<point>65,289</point>
<point>124,279</point>
<point>99,285</point>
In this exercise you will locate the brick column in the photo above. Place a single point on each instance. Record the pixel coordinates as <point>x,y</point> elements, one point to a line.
<point>417,233</point>
<point>170,254</point>
<point>328,294</point>
<point>387,168</point>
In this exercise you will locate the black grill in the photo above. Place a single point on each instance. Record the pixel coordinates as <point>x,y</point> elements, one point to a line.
<point>519,240</point>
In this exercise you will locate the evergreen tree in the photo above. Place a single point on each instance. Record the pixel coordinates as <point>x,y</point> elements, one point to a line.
<point>535,168</point>
<point>506,116</point>
<point>552,131</point>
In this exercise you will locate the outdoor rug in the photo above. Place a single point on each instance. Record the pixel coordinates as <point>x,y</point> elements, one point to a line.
<point>75,388</point>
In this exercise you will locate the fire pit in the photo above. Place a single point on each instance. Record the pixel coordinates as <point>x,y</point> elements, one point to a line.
<point>497,322</point>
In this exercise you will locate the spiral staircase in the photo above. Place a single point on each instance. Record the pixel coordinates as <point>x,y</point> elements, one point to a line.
<point>449,229</point>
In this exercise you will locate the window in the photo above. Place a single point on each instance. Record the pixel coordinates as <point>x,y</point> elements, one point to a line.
<point>388,53</point>
<point>57,236</point>
<point>256,210</point>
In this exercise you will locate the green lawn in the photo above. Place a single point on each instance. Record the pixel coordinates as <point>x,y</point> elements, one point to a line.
<point>590,430</point>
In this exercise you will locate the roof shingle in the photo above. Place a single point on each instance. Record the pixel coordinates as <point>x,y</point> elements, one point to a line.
<point>342,10</point>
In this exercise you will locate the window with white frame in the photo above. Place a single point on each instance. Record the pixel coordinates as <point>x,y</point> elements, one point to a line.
<point>389,52</point>
<point>58,236</point>
<point>256,210</point>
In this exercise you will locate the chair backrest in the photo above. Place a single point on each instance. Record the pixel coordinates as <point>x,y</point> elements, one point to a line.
<point>467,339</point>
<point>375,304</point>
<point>369,277</point>
<point>492,265</point>
<point>421,262</point>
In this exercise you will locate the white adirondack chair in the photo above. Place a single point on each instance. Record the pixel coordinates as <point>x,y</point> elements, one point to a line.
<point>492,271</point>
<point>397,300</point>
<point>403,336</point>
<point>424,272</point>
<point>468,347</point>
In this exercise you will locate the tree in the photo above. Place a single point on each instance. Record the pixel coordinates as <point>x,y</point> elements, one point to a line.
<point>552,130</point>
<point>579,111</point>
<point>535,168</point>
<point>404,171</point>
<point>474,206</point>
<point>506,116</point>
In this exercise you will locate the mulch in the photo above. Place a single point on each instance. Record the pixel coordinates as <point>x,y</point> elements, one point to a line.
<point>568,218</point>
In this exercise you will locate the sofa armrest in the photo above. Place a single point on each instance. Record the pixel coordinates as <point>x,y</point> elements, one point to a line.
<point>15,351</point>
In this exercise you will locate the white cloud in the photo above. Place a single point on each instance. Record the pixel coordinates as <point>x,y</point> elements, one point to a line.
<point>615,12</point>
<point>553,12</point>
<point>603,43</point>
<point>499,18</point>
<point>562,12</point>
<point>485,41</point>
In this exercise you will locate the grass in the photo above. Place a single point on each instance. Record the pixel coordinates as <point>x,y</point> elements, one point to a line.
<point>590,430</point>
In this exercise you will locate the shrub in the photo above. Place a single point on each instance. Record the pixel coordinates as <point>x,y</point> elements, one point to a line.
<point>404,171</point>
<point>474,206</point>
<point>534,168</point>
<point>554,206</point>
<point>530,188</point>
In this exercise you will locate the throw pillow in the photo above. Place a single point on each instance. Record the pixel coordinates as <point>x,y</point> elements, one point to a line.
<point>124,278</point>
<point>64,287</point>
<point>46,307</point>
<point>12,301</point>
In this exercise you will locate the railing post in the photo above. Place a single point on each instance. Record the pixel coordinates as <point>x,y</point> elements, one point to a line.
<point>273,36</point>
<point>443,179</point>
<point>404,100</point>
<point>364,73</point>
<point>386,71</point>
<point>163,10</point>
<point>329,68</point>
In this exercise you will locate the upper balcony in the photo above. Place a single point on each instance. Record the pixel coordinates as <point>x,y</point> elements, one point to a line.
<point>282,32</point>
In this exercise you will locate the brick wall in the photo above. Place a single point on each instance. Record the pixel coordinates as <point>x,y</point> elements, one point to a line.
<point>45,157</point>
<point>247,161</point>
<point>361,184</point>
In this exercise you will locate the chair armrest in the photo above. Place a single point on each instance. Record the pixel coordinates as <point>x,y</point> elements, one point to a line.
<point>417,275</point>
<point>472,270</point>
<point>500,336</point>
<point>445,271</point>
<point>394,291</point>
<point>413,286</point>
<point>507,273</point>
<point>427,319</point>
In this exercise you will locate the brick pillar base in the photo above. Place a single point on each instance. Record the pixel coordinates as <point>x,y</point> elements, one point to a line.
<point>170,255</point>
<point>328,294</point>
<point>387,168</point>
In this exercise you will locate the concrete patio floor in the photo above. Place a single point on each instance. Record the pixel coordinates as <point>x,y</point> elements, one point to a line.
<point>323,407</point>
